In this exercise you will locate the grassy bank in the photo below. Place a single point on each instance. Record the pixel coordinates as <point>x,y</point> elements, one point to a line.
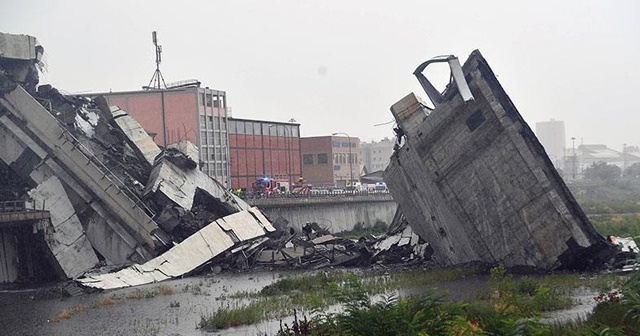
<point>507,303</point>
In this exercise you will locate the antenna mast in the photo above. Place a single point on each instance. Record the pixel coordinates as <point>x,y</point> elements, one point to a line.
<point>157,80</point>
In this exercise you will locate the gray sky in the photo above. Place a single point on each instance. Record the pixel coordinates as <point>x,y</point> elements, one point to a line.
<point>338,66</point>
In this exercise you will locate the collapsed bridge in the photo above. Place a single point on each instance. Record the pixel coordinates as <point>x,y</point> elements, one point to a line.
<point>473,180</point>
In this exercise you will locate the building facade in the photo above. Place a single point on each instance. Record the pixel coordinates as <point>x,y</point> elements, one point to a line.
<point>585,155</point>
<point>376,155</point>
<point>330,161</point>
<point>192,113</point>
<point>552,137</point>
<point>263,150</point>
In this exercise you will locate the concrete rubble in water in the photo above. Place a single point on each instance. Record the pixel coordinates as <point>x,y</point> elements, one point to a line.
<point>474,182</point>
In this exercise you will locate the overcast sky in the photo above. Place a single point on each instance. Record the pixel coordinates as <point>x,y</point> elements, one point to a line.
<point>338,66</point>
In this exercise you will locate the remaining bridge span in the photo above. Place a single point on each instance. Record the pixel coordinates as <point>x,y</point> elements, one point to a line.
<point>337,213</point>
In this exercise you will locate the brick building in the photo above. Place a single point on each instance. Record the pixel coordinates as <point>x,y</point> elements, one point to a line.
<point>330,161</point>
<point>183,112</point>
<point>260,149</point>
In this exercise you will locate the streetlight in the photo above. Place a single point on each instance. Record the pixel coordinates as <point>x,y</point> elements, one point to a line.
<point>350,158</point>
<point>287,147</point>
<point>575,161</point>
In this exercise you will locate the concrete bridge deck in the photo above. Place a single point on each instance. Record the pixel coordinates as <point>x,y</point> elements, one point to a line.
<point>335,212</point>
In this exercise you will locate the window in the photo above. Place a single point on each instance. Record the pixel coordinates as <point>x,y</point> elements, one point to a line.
<point>248,128</point>
<point>323,159</point>
<point>208,97</point>
<point>307,159</point>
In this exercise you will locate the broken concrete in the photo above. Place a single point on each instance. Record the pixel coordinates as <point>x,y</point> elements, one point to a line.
<point>473,180</point>
<point>93,162</point>
<point>134,131</point>
<point>64,233</point>
<point>197,249</point>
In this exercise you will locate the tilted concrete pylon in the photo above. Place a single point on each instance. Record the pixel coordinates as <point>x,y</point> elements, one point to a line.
<point>473,180</point>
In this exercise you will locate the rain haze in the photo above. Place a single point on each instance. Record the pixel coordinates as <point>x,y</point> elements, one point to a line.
<point>338,66</point>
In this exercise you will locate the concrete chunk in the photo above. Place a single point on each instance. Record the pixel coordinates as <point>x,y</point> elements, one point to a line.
<point>66,237</point>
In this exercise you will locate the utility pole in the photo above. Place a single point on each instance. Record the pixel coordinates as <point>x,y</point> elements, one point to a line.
<point>575,159</point>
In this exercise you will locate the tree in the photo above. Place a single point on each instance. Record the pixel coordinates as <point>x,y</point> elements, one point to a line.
<point>633,171</point>
<point>602,171</point>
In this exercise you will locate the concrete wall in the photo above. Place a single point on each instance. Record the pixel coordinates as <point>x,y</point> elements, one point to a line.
<point>336,213</point>
<point>8,256</point>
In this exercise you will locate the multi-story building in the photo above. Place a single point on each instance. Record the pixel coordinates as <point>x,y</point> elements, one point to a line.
<point>263,150</point>
<point>183,112</point>
<point>376,154</point>
<point>552,137</point>
<point>330,161</point>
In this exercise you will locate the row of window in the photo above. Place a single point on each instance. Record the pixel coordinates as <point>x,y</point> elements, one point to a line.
<point>214,169</point>
<point>209,138</point>
<point>211,122</point>
<point>213,154</point>
<point>264,129</point>
<point>339,144</point>
<point>323,158</point>
<point>211,100</point>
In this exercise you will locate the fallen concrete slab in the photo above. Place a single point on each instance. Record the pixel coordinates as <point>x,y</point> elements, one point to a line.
<point>475,183</point>
<point>197,249</point>
<point>138,136</point>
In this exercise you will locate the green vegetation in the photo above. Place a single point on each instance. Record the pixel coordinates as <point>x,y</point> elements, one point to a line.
<point>612,197</point>
<point>507,307</point>
<point>617,225</point>
<point>313,292</point>
<point>359,230</point>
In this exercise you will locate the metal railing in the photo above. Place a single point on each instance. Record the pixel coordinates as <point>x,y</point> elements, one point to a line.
<point>106,172</point>
<point>19,206</point>
<point>94,161</point>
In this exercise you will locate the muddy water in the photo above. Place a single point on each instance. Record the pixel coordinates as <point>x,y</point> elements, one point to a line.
<point>33,312</point>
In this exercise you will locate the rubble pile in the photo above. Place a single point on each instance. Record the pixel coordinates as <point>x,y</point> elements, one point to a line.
<point>126,212</point>
<point>115,198</point>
